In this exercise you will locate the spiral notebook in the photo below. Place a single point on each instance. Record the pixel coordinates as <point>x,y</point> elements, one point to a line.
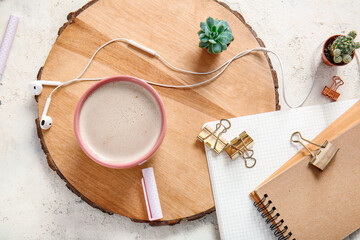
<point>232,182</point>
<point>305,203</point>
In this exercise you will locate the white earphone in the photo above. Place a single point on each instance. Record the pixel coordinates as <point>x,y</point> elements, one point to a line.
<point>37,86</point>
<point>46,121</point>
<point>36,89</point>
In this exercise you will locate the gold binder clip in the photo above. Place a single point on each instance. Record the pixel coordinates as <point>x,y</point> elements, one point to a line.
<point>323,155</point>
<point>212,138</point>
<point>239,145</point>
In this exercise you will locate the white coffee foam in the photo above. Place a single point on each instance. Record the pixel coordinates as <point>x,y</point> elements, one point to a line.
<point>120,122</point>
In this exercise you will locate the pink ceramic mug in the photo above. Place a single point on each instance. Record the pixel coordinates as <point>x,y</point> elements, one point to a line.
<point>96,157</point>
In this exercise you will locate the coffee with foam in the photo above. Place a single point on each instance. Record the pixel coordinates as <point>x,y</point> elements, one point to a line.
<point>120,122</point>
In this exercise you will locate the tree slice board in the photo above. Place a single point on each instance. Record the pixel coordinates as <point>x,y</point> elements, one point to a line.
<point>170,27</point>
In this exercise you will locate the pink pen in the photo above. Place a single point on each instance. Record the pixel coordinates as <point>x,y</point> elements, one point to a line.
<point>7,41</point>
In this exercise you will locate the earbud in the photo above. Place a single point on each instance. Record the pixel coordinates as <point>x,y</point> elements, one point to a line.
<point>46,121</point>
<point>36,87</point>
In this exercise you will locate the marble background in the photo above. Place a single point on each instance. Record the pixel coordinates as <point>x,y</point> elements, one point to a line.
<point>34,202</point>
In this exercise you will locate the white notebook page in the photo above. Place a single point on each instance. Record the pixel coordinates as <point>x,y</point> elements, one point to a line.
<point>232,182</point>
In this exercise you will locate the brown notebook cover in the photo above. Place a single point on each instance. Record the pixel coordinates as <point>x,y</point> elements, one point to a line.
<point>314,204</point>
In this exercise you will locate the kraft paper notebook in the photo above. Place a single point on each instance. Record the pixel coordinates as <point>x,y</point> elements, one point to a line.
<point>313,204</point>
<point>232,182</point>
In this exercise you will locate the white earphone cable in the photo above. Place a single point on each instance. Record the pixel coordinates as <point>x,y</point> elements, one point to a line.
<point>88,65</point>
<point>98,50</point>
<point>223,67</point>
<point>73,80</point>
<point>312,83</point>
<point>189,72</point>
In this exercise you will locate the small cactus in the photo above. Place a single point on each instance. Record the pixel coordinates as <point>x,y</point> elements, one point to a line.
<point>215,35</point>
<point>343,48</point>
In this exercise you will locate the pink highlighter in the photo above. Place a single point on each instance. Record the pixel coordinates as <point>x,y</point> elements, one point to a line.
<point>151,194</point>
<point>7,41</point>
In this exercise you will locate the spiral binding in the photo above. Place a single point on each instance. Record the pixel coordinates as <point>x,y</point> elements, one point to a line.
<point>270,217</point>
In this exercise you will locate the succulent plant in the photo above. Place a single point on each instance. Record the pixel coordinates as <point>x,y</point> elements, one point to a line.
<point>215,35</point>
<point>343,48</point>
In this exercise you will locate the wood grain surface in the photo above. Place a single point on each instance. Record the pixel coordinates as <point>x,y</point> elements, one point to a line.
<point>249,86</point>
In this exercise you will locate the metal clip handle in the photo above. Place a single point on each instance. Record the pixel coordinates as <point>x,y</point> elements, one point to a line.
<point>249,153</point>
<point>249,156</point>
<point>337,82</point>
<point>212,138</point>
<point>218,126</point>
<point>301,137</point>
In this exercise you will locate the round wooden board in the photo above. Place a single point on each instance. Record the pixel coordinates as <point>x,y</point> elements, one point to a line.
<point>170,27</point>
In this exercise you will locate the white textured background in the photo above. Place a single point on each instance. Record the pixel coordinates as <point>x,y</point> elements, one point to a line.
<point>34,202</point>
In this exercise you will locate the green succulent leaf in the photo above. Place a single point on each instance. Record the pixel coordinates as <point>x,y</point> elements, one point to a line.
<point>210,22</point>
<point>207,31</point>
<point>225,23</point>
<point>223,47</point>
<point>204,44</point>
<point>228,35</point>
<point>212,41</point>
<point>213,28</point>
<point>204,39</point>
<point>224,40</point>
<point>216,48</point>
<point>220,29</point>
<point>357,45</point>
<point>202,35</point>
<point>210,48</point>
<point>217,38</point>
<point>203,25</point>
